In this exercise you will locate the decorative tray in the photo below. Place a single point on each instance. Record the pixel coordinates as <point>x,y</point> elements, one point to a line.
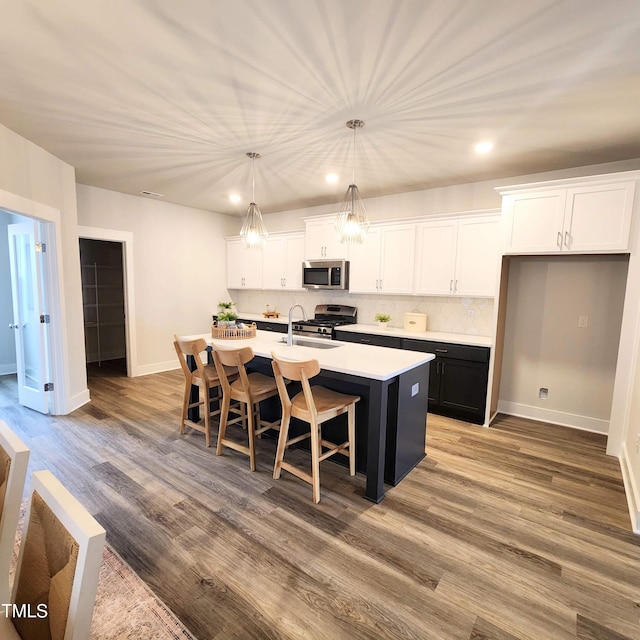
<point>234,333</point>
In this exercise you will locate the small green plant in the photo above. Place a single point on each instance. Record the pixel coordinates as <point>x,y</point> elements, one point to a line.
<point>226,314</point>
<point>382,317</point>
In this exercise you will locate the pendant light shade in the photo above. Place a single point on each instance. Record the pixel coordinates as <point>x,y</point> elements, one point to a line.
<point>352,223</point>
<point>253,232</point>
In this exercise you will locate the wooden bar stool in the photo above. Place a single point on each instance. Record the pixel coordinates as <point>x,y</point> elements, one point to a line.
<point>249,389</point>
<point>204,377</point>
<point>314,405</point>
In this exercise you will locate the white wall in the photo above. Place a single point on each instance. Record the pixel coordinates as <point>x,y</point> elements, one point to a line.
<point>32,177</point>
<point>179,267</point>
<point>631,448</point>
<point>544,347</point>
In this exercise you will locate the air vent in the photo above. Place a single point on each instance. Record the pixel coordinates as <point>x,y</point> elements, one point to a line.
<point>152,193</point>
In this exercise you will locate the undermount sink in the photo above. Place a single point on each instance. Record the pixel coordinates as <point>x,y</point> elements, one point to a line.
<point>301,342</point>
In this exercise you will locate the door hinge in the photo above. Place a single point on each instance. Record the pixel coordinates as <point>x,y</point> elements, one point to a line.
<point>48,386</point>
<point>45,318</point>
<point>41,246</point>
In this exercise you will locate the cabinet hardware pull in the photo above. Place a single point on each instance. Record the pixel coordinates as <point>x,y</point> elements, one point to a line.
<point>442,350</point>
<point>455,288</point>
<point>437,367</point>
<point>559,240</point>
<point>380,285</point>
<point>442,368</point>
<point>450,286</point>
<point>365,341</point>
<point>567,239</point>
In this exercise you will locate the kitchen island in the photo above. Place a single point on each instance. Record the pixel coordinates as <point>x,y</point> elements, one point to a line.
<point>393,384</point>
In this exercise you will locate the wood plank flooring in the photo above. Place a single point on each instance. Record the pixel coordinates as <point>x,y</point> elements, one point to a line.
<point>520,531</point>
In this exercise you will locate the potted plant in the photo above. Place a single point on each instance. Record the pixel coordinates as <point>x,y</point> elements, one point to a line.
<point>382,319</point>
<point>226,315</point>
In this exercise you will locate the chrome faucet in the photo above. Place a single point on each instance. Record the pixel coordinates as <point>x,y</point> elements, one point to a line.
<point>290,328</point>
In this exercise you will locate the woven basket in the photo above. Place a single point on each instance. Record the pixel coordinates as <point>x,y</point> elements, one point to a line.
<point>234,333</point>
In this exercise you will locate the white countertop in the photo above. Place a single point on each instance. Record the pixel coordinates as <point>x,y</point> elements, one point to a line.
<point>436,336</point>
<point>366,361</point>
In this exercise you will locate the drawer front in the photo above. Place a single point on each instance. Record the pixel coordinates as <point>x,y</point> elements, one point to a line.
<point>448,350</point>
<point>267,326</point>
<point>370,338</point>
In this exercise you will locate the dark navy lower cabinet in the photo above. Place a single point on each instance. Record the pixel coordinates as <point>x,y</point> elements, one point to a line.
<point>458,378</point>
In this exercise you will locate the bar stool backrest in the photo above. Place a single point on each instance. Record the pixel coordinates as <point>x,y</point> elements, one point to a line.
<point>233,358</point>
<point>190,348</point>
<point>298,372</point>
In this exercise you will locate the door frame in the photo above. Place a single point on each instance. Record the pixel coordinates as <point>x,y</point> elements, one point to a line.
<point>50,222</point>
<point>126,239</point>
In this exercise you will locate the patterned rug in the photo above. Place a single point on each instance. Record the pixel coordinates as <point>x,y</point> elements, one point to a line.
<point>125,609</point>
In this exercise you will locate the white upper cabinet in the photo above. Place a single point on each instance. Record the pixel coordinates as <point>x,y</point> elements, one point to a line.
<point>383,263</point>
<point>436,257</point>
<point>244,266</point>
<point>458,257</point>
<point>581,218</point>
<point>478,255</point>
<point>282,261</point>
<point>322,240</point>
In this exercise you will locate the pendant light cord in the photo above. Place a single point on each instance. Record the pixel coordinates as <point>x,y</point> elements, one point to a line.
<point>253,179</point>
<point>353,177</point>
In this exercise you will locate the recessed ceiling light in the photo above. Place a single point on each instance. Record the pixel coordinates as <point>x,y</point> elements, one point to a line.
<point>483,147</point>
<point>152,193</point>
<point>332,178</point>
<point>235,198</point>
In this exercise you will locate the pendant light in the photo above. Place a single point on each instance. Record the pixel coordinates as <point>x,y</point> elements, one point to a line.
<point>352,222</point>
<point>253,231</point>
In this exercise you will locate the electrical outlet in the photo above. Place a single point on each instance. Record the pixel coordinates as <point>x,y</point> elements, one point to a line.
<point>583,322</point>
<point>415,389</point>
<point>543,394</point>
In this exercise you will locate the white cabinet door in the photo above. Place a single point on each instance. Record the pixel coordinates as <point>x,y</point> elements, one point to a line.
<point>273,257</point>
<point>253,268</point>
<point>322,240</point>
<point>235,264</point>
<point>436,257</point>
<point>598,217</point>
<point>364,263</point>
<point>477,257</point>
<point>294,257</point>
<point>244,266</point>
<point>534,221</point>
<point>397,255</point>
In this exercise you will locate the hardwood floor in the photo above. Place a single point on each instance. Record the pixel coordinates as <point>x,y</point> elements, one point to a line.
<point>518,531</point>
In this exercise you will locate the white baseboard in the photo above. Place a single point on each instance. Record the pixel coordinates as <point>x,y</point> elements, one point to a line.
<point>76,401</point>
<point>6,369</point>
<point>585,423</point>
<point>630,490</point>
<point>157,367</point>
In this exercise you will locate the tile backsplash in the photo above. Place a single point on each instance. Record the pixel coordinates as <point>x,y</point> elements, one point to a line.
<point>469,316</point>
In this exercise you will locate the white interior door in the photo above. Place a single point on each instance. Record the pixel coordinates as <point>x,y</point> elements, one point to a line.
<point>28,306</point>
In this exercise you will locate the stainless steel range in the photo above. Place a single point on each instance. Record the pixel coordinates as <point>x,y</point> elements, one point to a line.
<point>324,321</point>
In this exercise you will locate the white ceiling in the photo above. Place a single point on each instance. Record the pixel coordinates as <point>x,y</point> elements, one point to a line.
<point>169,96</point>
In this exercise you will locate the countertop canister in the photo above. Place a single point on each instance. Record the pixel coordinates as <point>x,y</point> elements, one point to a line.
<point>415,322</point>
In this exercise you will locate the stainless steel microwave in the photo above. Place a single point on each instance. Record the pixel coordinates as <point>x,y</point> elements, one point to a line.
<point>325,274</point>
